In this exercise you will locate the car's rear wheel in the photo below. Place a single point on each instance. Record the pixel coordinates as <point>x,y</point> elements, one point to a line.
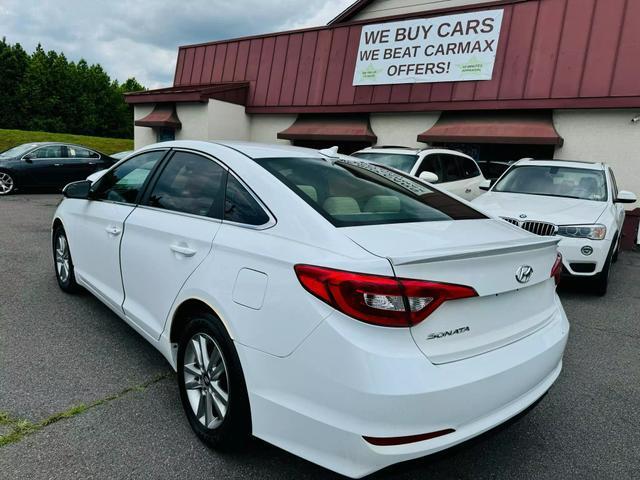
<point>7,183</point>
<point>63,262</point>
<point>212,386</point>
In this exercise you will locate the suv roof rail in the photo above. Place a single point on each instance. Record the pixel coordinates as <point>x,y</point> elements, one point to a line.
<point>393,146</point>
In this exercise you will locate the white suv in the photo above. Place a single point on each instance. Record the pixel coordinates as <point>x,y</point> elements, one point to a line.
<point>455,172</point>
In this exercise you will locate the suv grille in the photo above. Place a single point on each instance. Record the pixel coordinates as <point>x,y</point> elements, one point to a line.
<point>539,228</point>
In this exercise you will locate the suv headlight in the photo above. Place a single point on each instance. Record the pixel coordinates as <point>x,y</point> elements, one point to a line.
<point>594,232</point>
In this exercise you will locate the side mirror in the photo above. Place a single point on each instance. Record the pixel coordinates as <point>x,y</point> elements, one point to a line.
<point>626,197</point>
<point>485,185</point>
<point>29,157</point>
<point>428,177</point>
<point>78,190</point>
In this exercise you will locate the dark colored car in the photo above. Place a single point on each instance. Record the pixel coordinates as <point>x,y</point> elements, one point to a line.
<point>48,165</point>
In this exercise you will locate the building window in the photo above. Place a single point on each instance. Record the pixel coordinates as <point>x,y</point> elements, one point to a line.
<point>165,134</point>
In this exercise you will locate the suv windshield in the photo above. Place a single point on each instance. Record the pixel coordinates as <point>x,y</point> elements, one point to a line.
<point>401,161</point>
<point>352,192</point>
<point>19,150</point>
<point>567,182</point>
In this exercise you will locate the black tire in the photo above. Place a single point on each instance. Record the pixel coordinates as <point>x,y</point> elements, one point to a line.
<point>234,429</point>
<point>66,281</point>
<point>7,183</point>
<point>614,259</point>
<point>601,282</point>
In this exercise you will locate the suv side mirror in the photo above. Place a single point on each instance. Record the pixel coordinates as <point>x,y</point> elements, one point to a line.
<point>626,197</point>
<point>29,157</point>
<point>428,177</point>
<point>80,190</point>
<point>485,185</point>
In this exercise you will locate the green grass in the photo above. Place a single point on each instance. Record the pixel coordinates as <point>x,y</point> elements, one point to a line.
<point>11,138</point>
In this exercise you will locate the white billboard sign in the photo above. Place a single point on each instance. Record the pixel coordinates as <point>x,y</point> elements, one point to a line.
<point>453,48</point>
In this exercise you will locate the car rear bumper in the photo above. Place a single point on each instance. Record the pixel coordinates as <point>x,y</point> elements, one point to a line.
<point>321,401</point>
<point>576,263</point>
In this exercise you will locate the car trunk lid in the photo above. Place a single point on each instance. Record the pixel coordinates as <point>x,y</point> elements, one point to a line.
<point>483,254</point>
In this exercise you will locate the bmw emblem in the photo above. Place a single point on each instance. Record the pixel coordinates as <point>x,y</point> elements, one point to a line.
<point>522,215</point>
<point>523,274</point>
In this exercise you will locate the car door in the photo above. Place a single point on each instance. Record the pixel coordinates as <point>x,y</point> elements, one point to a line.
<point>45,166</point>
<point>461,175</point>
<point>169,235</point>
<point>97,226</point>
<point>80,163</point>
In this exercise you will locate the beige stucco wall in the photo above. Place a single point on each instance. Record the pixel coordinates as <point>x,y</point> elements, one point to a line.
<point>603,136</point>
<point>142,135</point>
<point>265,128</point>
<point>227,121</point>
<point>195,121</point>
<point>385,8</point>
<point>402,128</point>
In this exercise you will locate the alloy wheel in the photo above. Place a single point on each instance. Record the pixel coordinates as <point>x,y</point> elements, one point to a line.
<point>62,259</point>
<point>206,380</point>
<point>6,183</point>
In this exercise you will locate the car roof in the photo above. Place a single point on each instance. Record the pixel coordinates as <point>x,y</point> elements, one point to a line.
<point>411,151</point>
<point>562,163</point>
<point>248,149</point>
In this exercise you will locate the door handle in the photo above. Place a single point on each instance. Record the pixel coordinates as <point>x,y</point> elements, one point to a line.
<point>113,230</point>
<point>57,164</point>
<point>468,190</point>
<point>182,250</point>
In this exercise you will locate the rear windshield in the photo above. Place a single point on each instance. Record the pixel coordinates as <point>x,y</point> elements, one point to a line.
<point>404,162</point>
<point>570,182</point>
<point>352,192</point>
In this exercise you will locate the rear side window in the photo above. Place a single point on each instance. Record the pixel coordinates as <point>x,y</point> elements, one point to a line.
<point>123,183</point>
<point>190,184</point>
<point>352,192</point>
<point>240,206</point>
<point>78,152</point>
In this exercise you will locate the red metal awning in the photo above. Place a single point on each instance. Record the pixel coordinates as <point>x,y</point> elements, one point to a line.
<point>512,127</point>
<point>343,128</point>
<point>163,115</point>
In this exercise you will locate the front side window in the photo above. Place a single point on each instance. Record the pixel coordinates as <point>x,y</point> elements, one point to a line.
<point>451,171</point>
<point>431,163</point>
<point>52,151</point>
<point>190,184</point>
<point>468,167</point>
<point>404,162</point>
<point>240,206</point>
<point>567,182</point>
<point>124,183</point>
<point>351,192</point>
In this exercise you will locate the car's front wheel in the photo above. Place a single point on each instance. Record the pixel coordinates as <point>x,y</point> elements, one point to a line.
<point>63,262</point>
<point>7,183</point>
<point>211,382</point>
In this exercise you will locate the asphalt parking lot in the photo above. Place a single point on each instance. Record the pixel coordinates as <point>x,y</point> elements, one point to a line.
<point>83,396</point>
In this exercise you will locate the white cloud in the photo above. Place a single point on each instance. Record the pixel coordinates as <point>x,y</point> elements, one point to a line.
<point>141,38</point>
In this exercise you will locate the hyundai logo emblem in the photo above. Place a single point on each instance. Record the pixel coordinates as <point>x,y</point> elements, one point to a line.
<point>523,274</point>
<point>522,215</point>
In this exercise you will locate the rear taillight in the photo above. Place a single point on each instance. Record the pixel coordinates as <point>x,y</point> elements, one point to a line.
<point>556,271</point>
<point>380,300</point>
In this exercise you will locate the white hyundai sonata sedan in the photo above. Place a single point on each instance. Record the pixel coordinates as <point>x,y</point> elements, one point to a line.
<point>346,312</point>
<point>578,202</point>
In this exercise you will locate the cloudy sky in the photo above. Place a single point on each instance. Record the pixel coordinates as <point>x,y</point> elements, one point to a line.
<point>140,38</point>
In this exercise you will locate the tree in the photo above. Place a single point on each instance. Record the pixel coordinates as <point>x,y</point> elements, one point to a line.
<point>44,91</point>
